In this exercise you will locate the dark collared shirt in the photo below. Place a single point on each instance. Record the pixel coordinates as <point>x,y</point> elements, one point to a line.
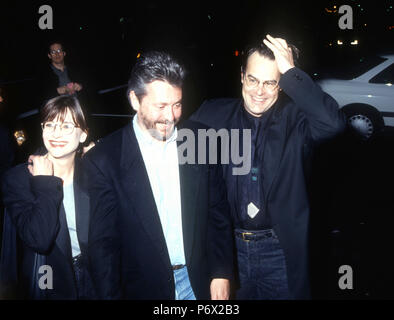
<point>250,186</point>
<point>62,75</point>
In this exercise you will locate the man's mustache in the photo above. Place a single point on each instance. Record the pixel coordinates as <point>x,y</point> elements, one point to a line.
<point>166,122</point>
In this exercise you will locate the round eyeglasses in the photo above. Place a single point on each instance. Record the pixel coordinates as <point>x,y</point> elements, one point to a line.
<point>65,127</point>
<point>56,51</point>
<point>269,85</point>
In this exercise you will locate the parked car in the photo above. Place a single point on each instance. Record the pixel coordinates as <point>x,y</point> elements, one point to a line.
<point>367,98</point>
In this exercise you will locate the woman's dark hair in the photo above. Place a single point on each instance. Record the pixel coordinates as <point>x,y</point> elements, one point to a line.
<point>57,107</point>
<point>265,52</point>
<point>151,66</point>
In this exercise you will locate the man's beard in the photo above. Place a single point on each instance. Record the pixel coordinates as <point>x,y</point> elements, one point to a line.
<point>151,127</point>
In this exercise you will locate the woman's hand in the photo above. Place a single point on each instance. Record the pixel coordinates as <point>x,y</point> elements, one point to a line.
<point>40,166</point>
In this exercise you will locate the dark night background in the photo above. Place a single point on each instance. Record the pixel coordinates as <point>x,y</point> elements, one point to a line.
<point>351,188</point>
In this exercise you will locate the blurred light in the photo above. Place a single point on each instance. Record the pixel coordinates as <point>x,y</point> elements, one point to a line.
<point>335,7</point>
<point>339,42</point>
<point>209,17</point>
<point>236,53</point>
<point>20,137</point>
<point>389,84</point>
<point>369,96</point>
<point>365,24</point>
<point>138,55</point>
<point>330,44</point>
<point>121,19</point>
<point>354,43</point>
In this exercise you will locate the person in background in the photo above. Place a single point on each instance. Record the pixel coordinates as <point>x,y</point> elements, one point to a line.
<point>57,78</point>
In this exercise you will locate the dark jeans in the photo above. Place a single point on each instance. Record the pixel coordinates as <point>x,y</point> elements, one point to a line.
<point>83,280</point>
<point>261,266</point>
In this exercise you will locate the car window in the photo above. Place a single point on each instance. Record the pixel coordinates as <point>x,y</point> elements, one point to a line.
<point>385,76</point>
<point>350,67</point>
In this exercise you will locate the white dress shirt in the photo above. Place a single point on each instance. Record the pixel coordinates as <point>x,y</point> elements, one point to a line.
<point>161,163</point>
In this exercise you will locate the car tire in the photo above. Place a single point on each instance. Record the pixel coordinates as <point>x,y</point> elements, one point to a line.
<point>364,121</point>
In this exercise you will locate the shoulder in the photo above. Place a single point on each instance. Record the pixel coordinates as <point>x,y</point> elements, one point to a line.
<point>107,148</point>
<point>192,125</point>
<point>215,105</point>
<point>217,113</point>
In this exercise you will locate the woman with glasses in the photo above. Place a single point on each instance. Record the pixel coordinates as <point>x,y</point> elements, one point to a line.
<point>49,208</point>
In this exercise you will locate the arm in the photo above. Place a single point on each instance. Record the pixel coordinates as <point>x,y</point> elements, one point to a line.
<point>322,112</point>
<point>220,237</point>
<point>33,205</point>
<point>103,245</point>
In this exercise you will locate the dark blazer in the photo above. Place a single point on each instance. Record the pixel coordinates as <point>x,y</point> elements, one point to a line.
<point>47,82</point>
<point>303,116</point>
<point>127,248</point>
<point>34,204</point>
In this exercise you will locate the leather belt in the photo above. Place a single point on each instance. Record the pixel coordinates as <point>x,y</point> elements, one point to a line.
<point>255,235</point>
<point>177,266</point>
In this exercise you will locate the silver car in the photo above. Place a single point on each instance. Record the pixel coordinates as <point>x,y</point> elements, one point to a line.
<point>368,98</point>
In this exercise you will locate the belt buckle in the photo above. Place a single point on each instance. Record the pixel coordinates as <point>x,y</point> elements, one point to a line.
<point>246,234</point>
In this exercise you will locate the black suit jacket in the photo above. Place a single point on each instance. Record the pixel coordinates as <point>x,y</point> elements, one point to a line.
<point>303,116</point>
<point>34,204</point>
<point>127,248</point>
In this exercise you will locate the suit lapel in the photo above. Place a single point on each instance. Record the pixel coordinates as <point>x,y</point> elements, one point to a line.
<point>81,214</point>
<point>135,183</point>
<point>189,176</point>
<point>63,238</point>
<point>276,139</point>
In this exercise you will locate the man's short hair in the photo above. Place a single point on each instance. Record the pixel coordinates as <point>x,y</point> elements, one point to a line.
<point>265,52</point>
<point>152,66</point>
<point>52,42</point>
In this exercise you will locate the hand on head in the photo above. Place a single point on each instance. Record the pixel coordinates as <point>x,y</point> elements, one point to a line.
<point>282,52</point>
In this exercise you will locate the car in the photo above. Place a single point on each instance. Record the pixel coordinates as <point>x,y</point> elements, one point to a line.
<point>367,98</point>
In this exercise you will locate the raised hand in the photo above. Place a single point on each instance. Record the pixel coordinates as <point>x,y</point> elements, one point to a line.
<point>40,166</point>
<point>282,52</point>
